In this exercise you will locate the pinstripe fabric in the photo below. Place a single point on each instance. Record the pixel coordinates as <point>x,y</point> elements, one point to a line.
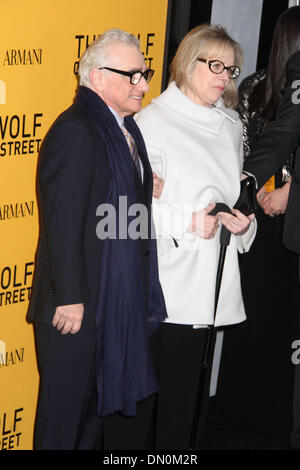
<point>133,149</point>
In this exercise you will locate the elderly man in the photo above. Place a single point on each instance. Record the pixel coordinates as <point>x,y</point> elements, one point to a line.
<point>96,298</point>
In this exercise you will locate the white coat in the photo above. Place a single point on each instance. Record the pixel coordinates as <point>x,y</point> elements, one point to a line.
<point>198,152</point>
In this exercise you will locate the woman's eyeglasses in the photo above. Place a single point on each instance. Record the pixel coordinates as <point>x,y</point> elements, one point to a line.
<point>216,66</point>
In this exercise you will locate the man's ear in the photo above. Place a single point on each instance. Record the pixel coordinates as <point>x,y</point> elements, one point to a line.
<point>96,78</point>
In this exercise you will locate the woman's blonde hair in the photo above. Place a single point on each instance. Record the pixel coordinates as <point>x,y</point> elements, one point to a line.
<point>203,41</point>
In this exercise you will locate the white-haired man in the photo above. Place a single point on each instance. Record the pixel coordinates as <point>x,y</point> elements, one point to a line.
<point>96,298</point>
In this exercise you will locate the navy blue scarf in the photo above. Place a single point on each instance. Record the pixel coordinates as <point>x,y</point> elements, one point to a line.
<point>125,373</point>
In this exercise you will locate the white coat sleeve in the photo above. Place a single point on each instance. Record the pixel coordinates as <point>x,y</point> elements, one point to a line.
<point>170,218</point>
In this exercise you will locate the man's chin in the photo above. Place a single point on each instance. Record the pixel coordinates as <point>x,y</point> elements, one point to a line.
<point>136,108</point>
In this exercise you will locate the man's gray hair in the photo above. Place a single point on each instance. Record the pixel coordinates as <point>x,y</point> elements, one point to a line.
<point>96,54</point>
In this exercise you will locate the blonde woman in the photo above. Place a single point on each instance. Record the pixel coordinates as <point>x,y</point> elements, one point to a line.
<point>194,142</point>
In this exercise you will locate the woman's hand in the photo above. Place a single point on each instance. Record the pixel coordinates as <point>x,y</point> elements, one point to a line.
<point>158,184</point>
<point>237,222</point>
<point>204,225</point>
<point>260,195</point>
<point>275,202</point>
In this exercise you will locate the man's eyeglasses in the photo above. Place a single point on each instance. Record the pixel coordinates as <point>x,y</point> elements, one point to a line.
<point>216,66</point>
<point>135,75</point>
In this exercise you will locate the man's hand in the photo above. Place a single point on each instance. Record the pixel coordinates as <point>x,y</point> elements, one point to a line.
<point>204,225</point>
<point>68,318</point>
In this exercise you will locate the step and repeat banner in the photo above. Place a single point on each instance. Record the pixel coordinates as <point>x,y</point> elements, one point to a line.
<point>41,43</point>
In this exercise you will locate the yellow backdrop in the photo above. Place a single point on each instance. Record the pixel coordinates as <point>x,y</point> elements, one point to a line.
<point>40,44</point>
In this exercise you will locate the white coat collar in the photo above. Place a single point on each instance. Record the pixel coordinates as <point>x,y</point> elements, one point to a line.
<point>209,119</point>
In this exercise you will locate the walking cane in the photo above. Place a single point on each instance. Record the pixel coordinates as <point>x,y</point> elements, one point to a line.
<point>224,242</point>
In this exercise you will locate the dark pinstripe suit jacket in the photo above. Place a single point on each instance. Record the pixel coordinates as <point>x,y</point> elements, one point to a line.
<point>72,180</point>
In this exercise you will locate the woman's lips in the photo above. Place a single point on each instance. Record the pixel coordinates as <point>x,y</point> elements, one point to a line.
<point>220,87</point>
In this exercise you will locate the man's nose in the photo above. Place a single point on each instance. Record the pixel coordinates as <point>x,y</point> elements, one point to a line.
<point>143,85</point>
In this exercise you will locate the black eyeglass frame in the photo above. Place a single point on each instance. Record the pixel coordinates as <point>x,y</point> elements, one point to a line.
<point>210,62</point>
<point>148,74</point>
